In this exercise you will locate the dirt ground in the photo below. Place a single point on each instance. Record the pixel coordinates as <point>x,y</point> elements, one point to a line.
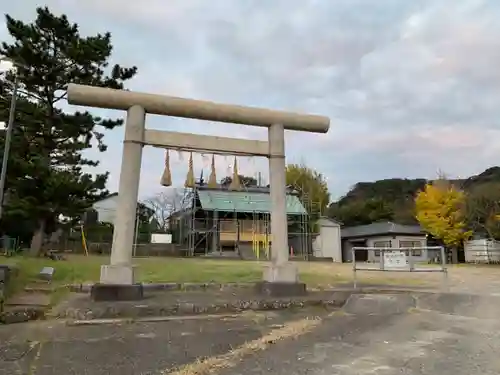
<point>446,337</point>
<point>371,335</point>
<point>414,333</point>
<point>480,279</point>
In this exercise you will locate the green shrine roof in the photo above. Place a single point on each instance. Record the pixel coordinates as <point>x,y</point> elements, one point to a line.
<point>242,201</point>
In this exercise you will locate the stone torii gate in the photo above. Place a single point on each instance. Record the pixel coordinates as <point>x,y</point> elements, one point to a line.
<point>117,278</point>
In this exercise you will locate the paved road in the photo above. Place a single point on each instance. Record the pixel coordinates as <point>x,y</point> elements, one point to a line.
<point>419,342</point>
<point>383,335</point>
<point>53,348</point>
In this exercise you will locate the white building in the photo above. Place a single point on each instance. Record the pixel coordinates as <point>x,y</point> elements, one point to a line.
<point>106,208</point>
<point>328,243</point>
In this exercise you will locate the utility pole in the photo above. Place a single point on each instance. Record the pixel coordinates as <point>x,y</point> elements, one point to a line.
<point>8,140</point>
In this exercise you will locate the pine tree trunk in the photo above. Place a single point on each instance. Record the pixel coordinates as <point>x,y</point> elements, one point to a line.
<point>37,239</point>
<point>454,255</point>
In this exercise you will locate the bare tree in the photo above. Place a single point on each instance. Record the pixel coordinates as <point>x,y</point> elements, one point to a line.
<point>166,203</point>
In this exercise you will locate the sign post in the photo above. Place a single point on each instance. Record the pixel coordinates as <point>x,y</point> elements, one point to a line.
<point>398,260</point>
<point>394,259</point>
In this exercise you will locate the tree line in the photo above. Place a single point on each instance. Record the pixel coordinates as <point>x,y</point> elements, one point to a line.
<point>450,209</point>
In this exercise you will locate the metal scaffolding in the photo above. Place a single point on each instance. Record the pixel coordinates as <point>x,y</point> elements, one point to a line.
<point>244,234</point>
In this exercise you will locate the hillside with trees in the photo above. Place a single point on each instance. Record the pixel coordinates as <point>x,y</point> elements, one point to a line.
<point>394,200</point>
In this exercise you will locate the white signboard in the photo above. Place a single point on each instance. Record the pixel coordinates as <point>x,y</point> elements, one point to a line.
<point>161,238</point>
<point>395,259</point>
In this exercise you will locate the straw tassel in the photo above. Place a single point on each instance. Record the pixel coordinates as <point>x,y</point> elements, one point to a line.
<point>212,180</point>
<point>166,178</point>
<point>235,183</point>
<point>190,175</point>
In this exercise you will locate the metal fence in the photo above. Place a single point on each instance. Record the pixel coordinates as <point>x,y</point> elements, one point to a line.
<point>399,260</point>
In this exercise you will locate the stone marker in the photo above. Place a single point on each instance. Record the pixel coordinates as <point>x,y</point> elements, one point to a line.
<point>46,273</point>
<point>2,295</point>
<point>4,273</point>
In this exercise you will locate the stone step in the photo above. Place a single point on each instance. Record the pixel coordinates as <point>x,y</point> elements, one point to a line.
<point>29,299</point>
<point>39,288</point>
<point>40,282</point>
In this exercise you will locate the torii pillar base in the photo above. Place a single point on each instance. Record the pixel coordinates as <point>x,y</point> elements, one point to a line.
<point>281,281</point>
<point>116,292</point>
<point>117,284</point>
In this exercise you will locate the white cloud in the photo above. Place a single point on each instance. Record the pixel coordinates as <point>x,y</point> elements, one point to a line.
<point>5,66</point>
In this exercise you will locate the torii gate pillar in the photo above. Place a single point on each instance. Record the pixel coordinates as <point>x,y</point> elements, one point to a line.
<point>117,279</point>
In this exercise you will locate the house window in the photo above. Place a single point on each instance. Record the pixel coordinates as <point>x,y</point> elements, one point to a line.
<point>410,244</point>
<point>381,244</point>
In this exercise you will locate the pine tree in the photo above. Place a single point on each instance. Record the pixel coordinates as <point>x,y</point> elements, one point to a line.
<point>50,179</point>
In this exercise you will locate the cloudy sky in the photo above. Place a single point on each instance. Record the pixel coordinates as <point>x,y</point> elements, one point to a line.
<point>411,87</point>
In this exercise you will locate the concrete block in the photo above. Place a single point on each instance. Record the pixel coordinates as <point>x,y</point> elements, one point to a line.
<point>117,274</point>
<point>285,273</point>
<point>281,281</point>
<point>5,273</point>
<point>117,292</point>
<point>379,304</point>
<point>281,289</point>
<point>46,273</point>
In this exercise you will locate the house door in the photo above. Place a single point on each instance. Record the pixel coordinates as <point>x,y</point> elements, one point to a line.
<point>361,256</point>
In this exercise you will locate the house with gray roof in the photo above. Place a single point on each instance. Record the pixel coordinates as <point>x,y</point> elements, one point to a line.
<point>383,235</point>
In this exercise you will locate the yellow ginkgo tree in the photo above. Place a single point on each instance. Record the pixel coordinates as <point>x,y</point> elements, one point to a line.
<point>440,210</point>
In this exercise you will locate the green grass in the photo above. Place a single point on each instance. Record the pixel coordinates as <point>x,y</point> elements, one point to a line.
<point>82,269</point>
